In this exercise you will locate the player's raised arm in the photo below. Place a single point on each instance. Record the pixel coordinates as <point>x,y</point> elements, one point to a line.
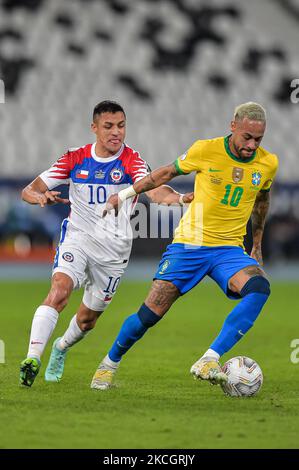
<point>258,218</point>
<point>37,192</point>
<point>155,179</point>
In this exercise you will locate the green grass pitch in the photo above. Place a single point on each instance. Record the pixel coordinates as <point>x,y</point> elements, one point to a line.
<point>157,404</point>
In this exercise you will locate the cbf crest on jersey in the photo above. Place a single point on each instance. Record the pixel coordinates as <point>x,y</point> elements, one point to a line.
<point>238,174</point>
<point>256,178</point>
<point>116,175</point>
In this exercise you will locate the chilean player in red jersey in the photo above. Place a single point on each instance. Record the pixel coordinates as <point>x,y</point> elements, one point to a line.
<point>93,252</point>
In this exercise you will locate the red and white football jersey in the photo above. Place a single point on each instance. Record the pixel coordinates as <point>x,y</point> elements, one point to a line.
<point>91,181</point>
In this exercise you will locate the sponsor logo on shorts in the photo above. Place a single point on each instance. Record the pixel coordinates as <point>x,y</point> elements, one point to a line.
<point>116,175</point>
<point>67,256</point>
<point>164,266</point>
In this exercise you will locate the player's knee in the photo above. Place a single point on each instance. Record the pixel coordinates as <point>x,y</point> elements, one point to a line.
<point>147,317</point>
<point>256,285</point>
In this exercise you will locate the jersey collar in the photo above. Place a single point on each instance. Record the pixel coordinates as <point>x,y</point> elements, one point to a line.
<point>107,159</point>
<point>234,157</point>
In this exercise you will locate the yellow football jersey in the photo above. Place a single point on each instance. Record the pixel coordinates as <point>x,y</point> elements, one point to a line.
<point>224,193</point>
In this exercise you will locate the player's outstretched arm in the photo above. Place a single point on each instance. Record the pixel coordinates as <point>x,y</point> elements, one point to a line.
<point>37,192</point>
<point>258,218</point>
<point>167,195</point>
<point>155,179</point>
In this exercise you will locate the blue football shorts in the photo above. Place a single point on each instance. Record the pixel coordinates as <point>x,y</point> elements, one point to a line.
<point>186,266</point>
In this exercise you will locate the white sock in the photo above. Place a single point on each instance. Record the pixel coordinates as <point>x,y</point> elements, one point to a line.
<point>211,353</point>
<point>43,324</point>
<point>72,335</point>
<point>109,363</point>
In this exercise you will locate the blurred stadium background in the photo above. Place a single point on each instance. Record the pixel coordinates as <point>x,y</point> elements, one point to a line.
<point>178,67</point>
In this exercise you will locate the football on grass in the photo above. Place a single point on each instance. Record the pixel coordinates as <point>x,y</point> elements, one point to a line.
<point>245,377</point>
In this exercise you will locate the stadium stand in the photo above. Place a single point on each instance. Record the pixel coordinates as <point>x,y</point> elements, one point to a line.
<point>160,59</point>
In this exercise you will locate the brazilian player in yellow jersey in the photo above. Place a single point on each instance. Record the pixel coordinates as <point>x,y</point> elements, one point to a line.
<point>225,191</point>
<point>233,178</point>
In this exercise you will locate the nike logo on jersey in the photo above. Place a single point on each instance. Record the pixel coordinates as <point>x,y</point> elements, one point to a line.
<point>211,170</point>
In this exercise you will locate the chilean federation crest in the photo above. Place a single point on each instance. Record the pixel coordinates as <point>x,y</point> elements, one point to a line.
<point>116,175</point>
<point>67,256</point>
<point>238,174</point>
<point>256,178</point>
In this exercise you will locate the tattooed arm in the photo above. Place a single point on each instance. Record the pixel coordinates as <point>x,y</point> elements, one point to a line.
<point>155,179</point>
<point>258,218</point>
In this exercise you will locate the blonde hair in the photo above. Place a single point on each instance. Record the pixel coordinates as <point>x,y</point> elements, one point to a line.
<point>250,110</point>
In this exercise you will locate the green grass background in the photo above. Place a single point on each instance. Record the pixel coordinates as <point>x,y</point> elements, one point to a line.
<point>157,404</point>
